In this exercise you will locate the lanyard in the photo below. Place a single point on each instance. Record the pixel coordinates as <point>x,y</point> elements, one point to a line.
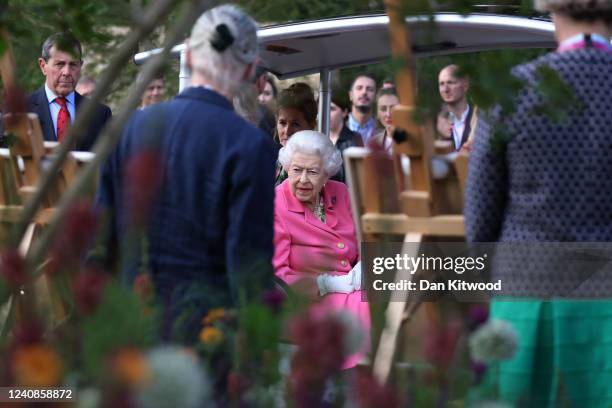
<point>585,41</point>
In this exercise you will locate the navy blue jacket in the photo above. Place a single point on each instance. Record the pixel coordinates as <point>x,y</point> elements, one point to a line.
<point>38,104</point>
<point>212,225</point>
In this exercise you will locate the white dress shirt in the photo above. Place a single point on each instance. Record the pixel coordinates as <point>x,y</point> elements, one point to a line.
<point>459,126</point>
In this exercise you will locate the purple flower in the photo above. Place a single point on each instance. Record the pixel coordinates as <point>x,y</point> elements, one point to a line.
<point>274,298</point>
<point>12,268</point>
<point>477,315</point>
<point>479,369</point>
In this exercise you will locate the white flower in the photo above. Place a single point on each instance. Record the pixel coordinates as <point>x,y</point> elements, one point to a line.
<point>493,341</point>
<point>88,398</point>
<point>177,381</point>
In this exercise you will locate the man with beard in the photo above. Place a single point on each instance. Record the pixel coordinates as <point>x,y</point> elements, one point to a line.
<point>361,94</point>
<point>458,119</point>
<point>56,103</point>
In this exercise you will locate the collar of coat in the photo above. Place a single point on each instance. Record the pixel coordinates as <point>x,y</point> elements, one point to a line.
<point>329,195</point>
<point>206,95</point>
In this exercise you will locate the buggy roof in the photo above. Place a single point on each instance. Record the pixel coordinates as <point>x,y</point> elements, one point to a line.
<point>295,49</point>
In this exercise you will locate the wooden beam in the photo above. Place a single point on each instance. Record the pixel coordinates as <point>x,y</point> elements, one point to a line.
<point>439,225</point>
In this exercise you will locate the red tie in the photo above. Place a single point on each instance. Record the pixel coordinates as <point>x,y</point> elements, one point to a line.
<point>63,118</point>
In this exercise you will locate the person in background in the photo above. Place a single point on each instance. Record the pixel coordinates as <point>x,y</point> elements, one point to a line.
<point>267,121</point>
<point>340,135</point>
<point>296,110</point>
<point>459,119</point>
<point>361,118</point>
<point>206,175</point>
<point>386,99</point>
<point>315,243</point>
<point>269,92</point>
<point>86,86</point>
<point>154,93</point>
<point>387,83</point>
<point>57,103</point>
<point>547,180</point>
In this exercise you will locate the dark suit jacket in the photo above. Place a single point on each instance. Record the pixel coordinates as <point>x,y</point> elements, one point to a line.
<point>212,223</point>
<point>346,139</point>
<point>38,104</point>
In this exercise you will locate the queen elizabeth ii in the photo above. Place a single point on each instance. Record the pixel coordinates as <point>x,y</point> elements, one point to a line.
<point>314,233</point>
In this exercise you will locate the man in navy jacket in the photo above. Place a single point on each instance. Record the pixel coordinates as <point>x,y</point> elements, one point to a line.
<point>211,227</point>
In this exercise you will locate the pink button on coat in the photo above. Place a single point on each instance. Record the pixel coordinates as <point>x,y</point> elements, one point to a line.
<point>305,247</point>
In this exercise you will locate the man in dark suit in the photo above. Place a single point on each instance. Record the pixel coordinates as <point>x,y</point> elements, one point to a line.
<point>56,103</point>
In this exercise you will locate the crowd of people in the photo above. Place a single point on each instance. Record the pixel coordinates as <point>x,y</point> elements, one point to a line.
<point>248,192</point>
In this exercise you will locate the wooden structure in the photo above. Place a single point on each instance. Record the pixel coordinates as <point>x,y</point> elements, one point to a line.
<point>430,209</point>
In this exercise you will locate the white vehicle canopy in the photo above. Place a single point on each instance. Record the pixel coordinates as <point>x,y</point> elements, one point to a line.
<point>321,46</point>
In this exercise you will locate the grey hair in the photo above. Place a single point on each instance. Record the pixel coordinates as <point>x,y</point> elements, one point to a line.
<point>224,67</point>
<point>581,10</point>
<point>312,142</point>
<point>63,41</point>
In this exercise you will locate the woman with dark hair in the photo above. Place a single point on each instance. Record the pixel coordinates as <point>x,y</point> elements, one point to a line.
<point>341,136</point>
<point>268,95</point>
<point>386,99</point>
<point>296,110</point>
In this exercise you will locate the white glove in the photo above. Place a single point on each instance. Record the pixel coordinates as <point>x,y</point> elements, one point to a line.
<point>356,271</point>
<point>335,283</point>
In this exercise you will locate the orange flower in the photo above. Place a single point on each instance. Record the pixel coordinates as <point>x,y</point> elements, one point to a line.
<point>211,336</point>
<point>37,366</point>
<point>131,367</point>
<point>214,315</point>
<point>143,286</point>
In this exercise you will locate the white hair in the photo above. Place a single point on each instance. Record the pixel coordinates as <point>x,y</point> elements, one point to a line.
<point>312,142</point>
<point>236,33</point>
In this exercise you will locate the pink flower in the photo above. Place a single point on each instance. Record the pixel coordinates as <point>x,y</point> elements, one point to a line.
<point>79,230</point>
<point>237,385</point>
<point>440,343</point>
<point>89,288</point>
<point>142,183</point>
<point>13,268</point>
<point>320,341</point>
<point>27,332</point>
<point>15,102</point>
<point>371,394</point>
<point>274,298</point>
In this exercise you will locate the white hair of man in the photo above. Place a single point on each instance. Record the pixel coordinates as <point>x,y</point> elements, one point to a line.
<point>312,142</point>
<point>223,42</point>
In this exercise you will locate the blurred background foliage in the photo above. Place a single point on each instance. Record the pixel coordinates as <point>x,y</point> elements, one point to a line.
<point>102,25</point>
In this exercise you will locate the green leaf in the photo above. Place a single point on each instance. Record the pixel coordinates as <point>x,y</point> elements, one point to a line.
<point>119,321</point>
<point>3,46</point>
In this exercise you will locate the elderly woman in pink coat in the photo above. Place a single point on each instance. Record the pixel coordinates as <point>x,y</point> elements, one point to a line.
<point>314,234</point>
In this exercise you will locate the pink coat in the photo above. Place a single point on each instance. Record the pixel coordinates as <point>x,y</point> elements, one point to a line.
<point>305,247</point>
